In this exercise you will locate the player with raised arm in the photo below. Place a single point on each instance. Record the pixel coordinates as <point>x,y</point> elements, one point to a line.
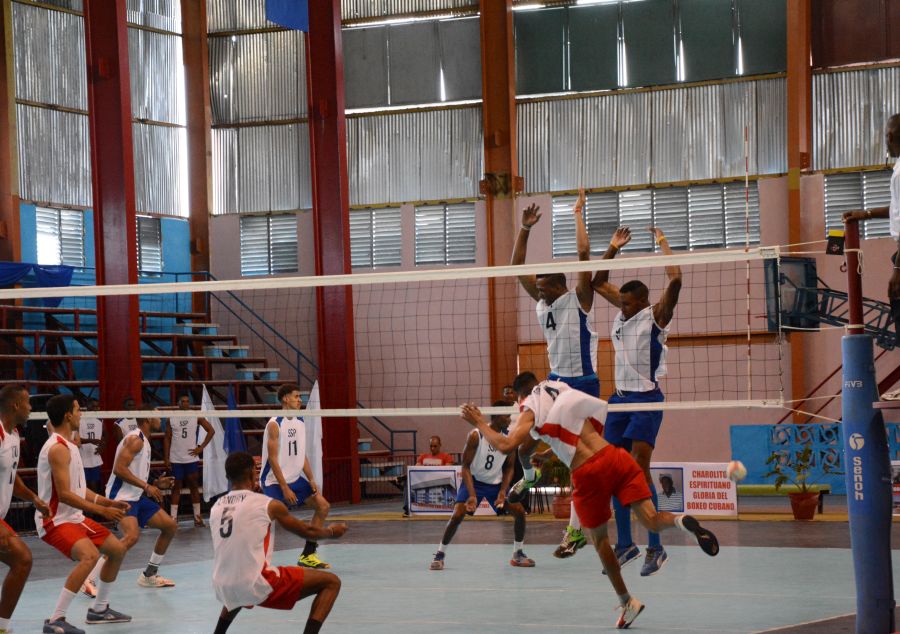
<point>15,407</point>
<point>241,525</point>
<point>61,481</point>
<point>565,319</point>
<point>130,482</point>
<point>182,455</point>
<point>568,421</point>
<point>486,473</point>
<point>639,334</point>
<point>286,474</point>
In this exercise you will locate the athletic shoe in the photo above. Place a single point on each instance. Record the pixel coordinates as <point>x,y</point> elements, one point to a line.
<point>60,626</point>
<point>438,562</point>
<point>625,554</point>
<point>573,539</point>
<point>705,538</point>
<point>630,612</point>
<point>89,588</point>
<point>107,616</point>
<point>198,522</point>
<point>655,559</point>
<point>312,561</point>
<point>520,560</point>
<point>893,395</point>
<point>518,491</point>
<point>155,581</point>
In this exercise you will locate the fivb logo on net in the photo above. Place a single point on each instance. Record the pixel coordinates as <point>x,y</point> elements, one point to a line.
<point>857,442</point>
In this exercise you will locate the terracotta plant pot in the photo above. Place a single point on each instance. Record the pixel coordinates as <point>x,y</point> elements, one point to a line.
<point>804,505</point>
<point>562,504</point>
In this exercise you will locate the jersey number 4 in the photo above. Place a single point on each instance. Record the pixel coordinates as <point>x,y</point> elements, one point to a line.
<point>227,524</point>
<point>551,323</point>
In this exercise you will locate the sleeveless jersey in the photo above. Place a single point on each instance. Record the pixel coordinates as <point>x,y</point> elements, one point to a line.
<point>184,438</point>
<point>90,428</point>
<point>9,462</point>
<point>291,451</point>
<point>118,489</point>
<point>60,513</point>
<point>559,416</point>
<point>242,547</point>
<point>571,344</point>
<point>127,425</point>
<point>487,466</point>
<point>640,347</point>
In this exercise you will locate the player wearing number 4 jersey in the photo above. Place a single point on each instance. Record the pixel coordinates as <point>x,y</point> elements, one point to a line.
<point>241,525</point>
<point>286,474</point>
<point>14,410</point>
<point>182,453</point>
<point>569,421</point>
<point>486,474</point>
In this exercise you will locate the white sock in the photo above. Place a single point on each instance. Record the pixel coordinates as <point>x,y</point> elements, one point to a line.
<point>156,559</point>
<point>95,573</point>
<point>197,509</point>
<point>62,605</point>
<point>679,522</point>
<point>4,624</point>
<point>441,547</point>
<point>574,522</point>
<point>173,511</point>
<point>517,546</point>
<point>529,473</point>
<point>102,600</point>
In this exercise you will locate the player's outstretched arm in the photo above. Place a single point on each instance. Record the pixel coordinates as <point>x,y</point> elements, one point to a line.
<point>279,513</point>
<point>530,217</point>
<point>505,443</point>
<point>59,459</point>
<point>601,283</point>
<point>665,308</point>
<point>583,244</point>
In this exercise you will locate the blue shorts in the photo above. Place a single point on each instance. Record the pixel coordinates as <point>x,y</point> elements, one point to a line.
<point>589,384</point>
<point>623,427</point>
<point>143,509</point>
<point>181,470</point>
<point>482,490</point>
<point>300,487</point>
<point>92,474</point>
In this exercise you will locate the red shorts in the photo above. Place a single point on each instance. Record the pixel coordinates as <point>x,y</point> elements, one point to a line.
<point>287,587</point>
<point>65,536</point>
<point>9,528</point>
<point>609,472</point>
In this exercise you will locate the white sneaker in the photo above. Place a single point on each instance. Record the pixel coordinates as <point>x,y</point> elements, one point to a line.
<point>89,588</point>
<point>630,612</point>
<point>154,582</point>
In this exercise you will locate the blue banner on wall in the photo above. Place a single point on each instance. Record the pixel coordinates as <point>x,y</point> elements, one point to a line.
<point>293,14</point>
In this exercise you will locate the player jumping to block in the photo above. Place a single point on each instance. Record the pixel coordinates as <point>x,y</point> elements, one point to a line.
<point>568,420</point>
<point>486,473</point>
<point>241,525</point>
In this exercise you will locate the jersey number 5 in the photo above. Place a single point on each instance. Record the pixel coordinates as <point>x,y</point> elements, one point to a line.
<point>184,432</point>
<point>227,524</point>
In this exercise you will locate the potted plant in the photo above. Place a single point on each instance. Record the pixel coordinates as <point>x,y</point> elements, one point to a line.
<point>795,468</point>
<point>557,474</point>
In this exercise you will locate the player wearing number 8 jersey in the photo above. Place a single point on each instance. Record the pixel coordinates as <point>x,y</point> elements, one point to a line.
<point>486,474</point>
<point>286,474</point>
<point>241,525</point>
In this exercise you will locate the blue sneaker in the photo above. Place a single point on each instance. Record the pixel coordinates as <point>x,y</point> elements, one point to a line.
<point>438,562</point>
<point>655,559</point>
<point>60,626</point>
<point>107,616</point>
<point>626,554</point>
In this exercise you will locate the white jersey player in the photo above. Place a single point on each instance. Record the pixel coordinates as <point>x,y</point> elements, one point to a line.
<point>182,450</point>
<point>243,576</point>
<point>486,474</point>
<point>90,433</point>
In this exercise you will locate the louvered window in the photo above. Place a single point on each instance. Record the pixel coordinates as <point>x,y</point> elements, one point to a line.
<point>376,238</point>
<point>858,191</point>
<point>268,244</point>
<point>697,217</point>
<point>60,236</point>
<point>149,237</point>
<point>445,234</point>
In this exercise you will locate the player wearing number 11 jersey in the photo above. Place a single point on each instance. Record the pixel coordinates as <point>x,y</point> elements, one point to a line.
<point>486,474</point>
<point>241,525</point>
<point>286,474</point>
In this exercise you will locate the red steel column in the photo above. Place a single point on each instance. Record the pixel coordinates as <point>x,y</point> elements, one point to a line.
<point>498,88</point>
<point>199,142</point>
<point>799,132</point>
<point>112,164</point>
<point>10,233</point>
<point>331,220</point>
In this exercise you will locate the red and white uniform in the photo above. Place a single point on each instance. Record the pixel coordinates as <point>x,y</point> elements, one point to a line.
<point>242,551</point>
<point>559,415</point>
<point>9,463</point>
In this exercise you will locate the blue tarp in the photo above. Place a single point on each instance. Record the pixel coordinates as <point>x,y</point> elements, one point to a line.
<point>46,276</point>
<point>293,14</point>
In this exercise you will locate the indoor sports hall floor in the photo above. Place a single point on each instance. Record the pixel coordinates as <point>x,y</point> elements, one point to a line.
<point>770,574</point>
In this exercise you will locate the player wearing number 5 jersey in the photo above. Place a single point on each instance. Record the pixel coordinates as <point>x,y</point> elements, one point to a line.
<point>241,525</point>
<point>14,410</point>
<point>182,453</point>
<point>486,474</point>
<point>286,474</point>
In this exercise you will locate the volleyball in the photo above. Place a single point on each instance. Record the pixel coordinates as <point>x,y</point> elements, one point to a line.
<point>736,471</point>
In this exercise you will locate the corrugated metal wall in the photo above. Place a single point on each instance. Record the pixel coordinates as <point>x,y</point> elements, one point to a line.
<point>54,146</point>
<point>679,134</point>
<point>850,110</point>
